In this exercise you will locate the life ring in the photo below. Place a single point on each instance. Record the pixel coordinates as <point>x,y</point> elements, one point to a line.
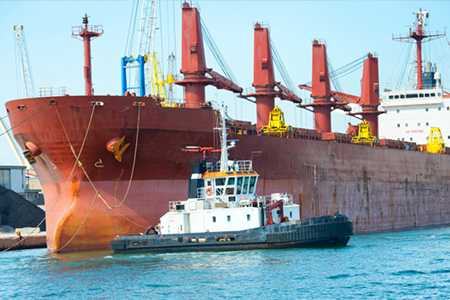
<point>209,191</point>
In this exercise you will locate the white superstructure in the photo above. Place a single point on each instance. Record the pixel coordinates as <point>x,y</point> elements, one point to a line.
<point>411,113</point>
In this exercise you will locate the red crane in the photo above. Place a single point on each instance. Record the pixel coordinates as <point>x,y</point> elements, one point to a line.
<point>369,99</point>
<point>320,89</point>
<point>193,65</point>
<point>370,94</point>
<point>266,88</point>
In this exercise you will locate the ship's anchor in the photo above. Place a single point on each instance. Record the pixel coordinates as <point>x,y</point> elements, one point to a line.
<point>117,147</point>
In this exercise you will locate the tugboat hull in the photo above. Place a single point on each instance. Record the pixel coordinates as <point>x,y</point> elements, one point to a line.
<point>327,231</point>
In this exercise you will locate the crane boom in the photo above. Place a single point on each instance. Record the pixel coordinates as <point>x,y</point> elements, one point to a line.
<point>23,61</point>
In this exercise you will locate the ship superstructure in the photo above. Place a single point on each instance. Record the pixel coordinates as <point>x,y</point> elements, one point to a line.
<point>411,113</point>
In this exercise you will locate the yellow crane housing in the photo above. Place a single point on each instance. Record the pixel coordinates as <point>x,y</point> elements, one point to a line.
<point>277,125</point>
<point>364,136</point>
<point>435,143</point>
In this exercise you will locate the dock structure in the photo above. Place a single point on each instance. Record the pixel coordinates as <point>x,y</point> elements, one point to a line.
<point>13,241</point>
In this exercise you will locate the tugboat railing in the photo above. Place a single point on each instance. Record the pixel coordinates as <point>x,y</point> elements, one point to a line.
<point>236,165</point>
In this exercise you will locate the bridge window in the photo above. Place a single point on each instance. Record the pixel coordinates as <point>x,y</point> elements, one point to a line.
<point>396,96</point>
<point>433,94</point>
<point>398,125</point>
<point>411,96</point>
<point>252,184</point>
<point>402,96</point>
<point>229,191</point>
<point>426,109</point>
<point>239,185</point>
<point>391,97</point>
<point>220,181</point>
<point>427,95</point>
<point>245,187</point>
<point>398,110</point>
<point>420,95</point>
<point>439,108</point>
<point>410,139</point>
<point>448,107</point>
<point>231,181</point>
<point>427,123</point>
<point>219,191</point>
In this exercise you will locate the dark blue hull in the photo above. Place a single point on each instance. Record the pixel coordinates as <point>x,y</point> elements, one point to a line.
<point>327,231</point>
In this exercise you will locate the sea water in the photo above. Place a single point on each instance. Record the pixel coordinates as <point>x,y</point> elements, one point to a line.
<point>401,265</point>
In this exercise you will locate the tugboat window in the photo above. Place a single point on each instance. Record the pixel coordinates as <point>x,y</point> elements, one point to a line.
<point>252,184</point>
<point>219,191</point>
<point>220,181</point>
<point>245,188</point>
<point>229,191</point>
<point>239,185</point>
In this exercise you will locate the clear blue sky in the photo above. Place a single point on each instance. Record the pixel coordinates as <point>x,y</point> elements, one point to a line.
<point>350,29</point>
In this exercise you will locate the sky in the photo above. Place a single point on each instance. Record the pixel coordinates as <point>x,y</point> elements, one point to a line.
<point>350,30</point>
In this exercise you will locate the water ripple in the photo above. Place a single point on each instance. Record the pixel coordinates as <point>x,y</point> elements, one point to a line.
<point>386,265</point>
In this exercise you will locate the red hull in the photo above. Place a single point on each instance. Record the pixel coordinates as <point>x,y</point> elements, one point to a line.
<point>87,204</point>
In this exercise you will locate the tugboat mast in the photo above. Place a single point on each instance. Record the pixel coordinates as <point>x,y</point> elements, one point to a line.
<point>224,140</point>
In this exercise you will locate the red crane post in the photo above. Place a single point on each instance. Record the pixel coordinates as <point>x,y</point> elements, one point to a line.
<point>321,92</point>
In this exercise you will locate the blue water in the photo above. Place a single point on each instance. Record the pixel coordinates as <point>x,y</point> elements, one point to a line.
<point>410,265</point>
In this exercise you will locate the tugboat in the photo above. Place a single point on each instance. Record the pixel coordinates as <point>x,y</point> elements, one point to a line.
<point>223,212</point>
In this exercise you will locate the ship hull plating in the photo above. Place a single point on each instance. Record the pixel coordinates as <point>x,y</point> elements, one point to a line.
<point>90,201</point>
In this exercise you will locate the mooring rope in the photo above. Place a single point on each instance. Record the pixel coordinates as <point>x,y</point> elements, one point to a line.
<point>24,237</point>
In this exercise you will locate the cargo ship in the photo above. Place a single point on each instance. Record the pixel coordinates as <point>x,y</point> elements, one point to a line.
<point>109,165</point>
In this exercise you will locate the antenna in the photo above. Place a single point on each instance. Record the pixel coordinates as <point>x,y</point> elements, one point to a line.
<point>87,32</point>
<point>419,35</point>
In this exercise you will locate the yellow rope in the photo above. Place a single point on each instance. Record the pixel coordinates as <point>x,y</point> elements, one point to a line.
<point>88,128</point>
<point>92,184</point>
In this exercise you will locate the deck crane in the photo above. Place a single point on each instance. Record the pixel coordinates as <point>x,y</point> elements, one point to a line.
<point>149,79</point>
<point>24,70</point>
<point>266,88</point>
<point>369,99</point>
<point>196,75</point>
<point>23,62</point>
